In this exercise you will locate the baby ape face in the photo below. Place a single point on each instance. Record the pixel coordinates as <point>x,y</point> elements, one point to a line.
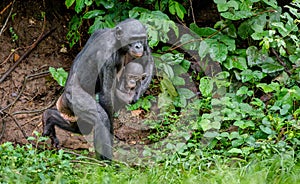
<point>131,78</point>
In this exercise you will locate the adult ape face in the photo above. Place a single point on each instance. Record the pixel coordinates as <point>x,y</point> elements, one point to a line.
<point>94,74</point>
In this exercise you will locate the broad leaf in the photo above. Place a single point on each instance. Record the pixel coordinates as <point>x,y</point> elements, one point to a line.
<point>93,13</point>
<point>218,52</point>
<point>206,86</point>
<point>69,3</point>
<point>185,93</point>
<point>202,32</point>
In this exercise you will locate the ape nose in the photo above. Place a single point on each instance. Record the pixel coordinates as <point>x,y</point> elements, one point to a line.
<point>138,46</point>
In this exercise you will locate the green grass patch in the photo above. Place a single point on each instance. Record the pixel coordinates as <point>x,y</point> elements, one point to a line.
<point>26,164</point>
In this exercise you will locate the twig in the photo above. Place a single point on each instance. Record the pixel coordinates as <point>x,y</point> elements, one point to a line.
<point>35,111</point>
<point>10,54</point>
<point>102,163</point>
<point>26,54</point>
<point>281,62</point>
<point>198,39</point>
<point>12,7</point>
<point>23,87</point>
<point>18,125</point>
<point>194,20</point>
<point>4,9</point>
<point>90,163</point>
<point>3,128</point>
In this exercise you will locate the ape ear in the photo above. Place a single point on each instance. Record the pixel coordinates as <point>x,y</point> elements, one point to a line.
<point>119,33</point>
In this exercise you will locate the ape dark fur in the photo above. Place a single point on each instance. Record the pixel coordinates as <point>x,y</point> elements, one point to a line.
<point>94,75</point>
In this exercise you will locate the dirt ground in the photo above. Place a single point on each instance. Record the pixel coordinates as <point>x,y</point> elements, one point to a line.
<point>24,101</point>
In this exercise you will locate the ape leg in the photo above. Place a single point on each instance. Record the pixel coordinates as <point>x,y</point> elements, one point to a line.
<point>89,112</point>
<point>103,136</point>
<point>52,117</point>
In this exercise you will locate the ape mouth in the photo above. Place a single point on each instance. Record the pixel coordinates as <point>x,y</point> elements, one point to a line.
<point>136,55</point>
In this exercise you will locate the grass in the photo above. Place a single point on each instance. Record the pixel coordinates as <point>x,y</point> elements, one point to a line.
<point>25,164</point>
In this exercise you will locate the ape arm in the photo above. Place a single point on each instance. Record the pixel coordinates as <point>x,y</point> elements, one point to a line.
<point>148,63</point>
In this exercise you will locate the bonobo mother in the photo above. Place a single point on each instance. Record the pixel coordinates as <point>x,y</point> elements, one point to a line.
<point>88,99</point>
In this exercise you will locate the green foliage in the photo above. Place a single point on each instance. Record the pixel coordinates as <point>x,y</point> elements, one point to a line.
<point>14,36</point>
<point>60,75</point>
<point>250,108</point>
<point>158,24</point>
<point>170,68</point>
<point>144,103</point>
<point>26,164</point>
<point>105,14</point>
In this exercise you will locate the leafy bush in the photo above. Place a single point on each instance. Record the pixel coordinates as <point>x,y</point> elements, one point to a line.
<point>27,164</point>
<point>249,103</point>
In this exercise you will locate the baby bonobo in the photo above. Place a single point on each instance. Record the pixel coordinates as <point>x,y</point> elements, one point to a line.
<point>94,74</point>
<point>130,80</point>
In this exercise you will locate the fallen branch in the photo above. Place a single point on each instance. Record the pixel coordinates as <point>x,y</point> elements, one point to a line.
<point>18,125</point>
<point>23,87</point>
<point>4,9</point>
<point>281,62</point>
<point>35,111</point>
<point>94,160</point>
<point>26,54</point>
<point>3,126</point>
<point>12,7</point>
<point>8,57</point>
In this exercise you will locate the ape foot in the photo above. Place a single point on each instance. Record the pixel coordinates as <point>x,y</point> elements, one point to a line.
<point>55,142</point>
<point>102,157</point>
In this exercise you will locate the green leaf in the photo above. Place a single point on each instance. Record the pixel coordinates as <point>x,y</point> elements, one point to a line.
<point>218,52</point>
<point>237,142</point>
<point>202,32</point>
<point>271,67</point>
<point>220,1</point>
<point>236,62</point>
<point>206,86</point>
<point>242,91</point>
<point>164,100</point>
<point>98,24</point>
<point>285,109</point>
<point>180,10</point>
<point>258,23</point>
<point>255,57</point>
<point>244,30</point>
<point>108,4</point>
<point>167,84</point>
<point>178,81</point>
<point>79,5</point>
<point>203,49</point>
<point>185,93</point>
<point>172,9</point>
<point>230,16</point>
<point>60,75</point>
<point>93,13</point>
<point>211,134</point>
<point>185,64</point>
<point>69,3</point>
<point>267,88</point>
<point>88,2</point>
<point>189,42</point>
<point>272,3</point>
<point>168,70</point>
<point>229,42</point>
<point>235,151</point>
<point>266,129</point>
